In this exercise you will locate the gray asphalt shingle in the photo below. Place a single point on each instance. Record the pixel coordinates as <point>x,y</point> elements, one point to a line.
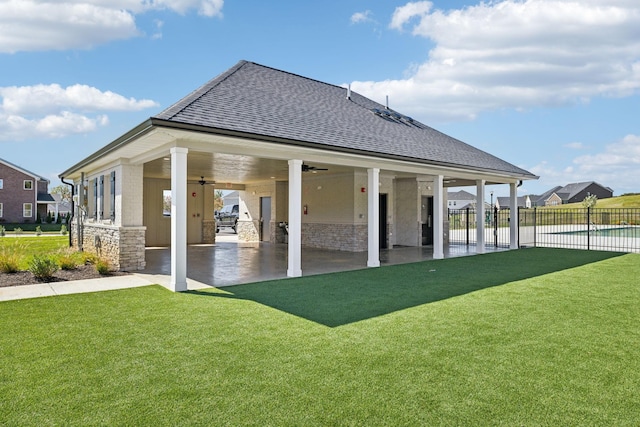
<point>258,100</point>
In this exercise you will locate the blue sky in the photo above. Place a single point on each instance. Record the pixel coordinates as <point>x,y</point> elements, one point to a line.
<point>552,86</point>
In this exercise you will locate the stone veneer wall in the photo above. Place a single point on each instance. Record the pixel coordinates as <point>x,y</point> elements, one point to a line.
<point>208,231</point>
<point>342,237</point>
<point>122,247</point>
<point>247,231</point>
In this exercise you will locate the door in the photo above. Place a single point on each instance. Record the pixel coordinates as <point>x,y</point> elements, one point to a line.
<point>427,220</point>
<point>384,232</point>
<point>265,219</point>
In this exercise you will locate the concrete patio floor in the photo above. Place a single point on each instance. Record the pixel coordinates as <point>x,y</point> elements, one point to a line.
<point>226,263</point>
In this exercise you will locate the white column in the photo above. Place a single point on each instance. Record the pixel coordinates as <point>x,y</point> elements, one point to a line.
<point>480,216</point>
<point>178,219</point>
<point>513,216</point>
<point>295,219</point>
<point>373,217</point>
<point>438,217</point>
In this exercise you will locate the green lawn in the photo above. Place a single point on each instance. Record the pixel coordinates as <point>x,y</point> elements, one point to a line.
<point>27,246</point>
<point>532,337</point>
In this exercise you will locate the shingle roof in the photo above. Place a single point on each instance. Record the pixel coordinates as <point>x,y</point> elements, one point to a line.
<point>262,101</point>
<point>460,195</point>
<point>23,170</point>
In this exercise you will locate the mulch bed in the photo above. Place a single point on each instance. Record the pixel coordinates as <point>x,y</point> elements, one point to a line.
<point>82,272</point>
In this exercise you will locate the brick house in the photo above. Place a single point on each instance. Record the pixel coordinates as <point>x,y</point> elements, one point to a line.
<point>24,195</point>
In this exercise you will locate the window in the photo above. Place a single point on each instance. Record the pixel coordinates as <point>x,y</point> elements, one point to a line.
<point>27,184</point>
<point>27,210</point>
<point>0,210</point>
<point>166,202</point>
<point>1,183</point>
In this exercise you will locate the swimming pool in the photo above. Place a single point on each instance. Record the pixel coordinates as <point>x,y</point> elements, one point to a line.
<point>606,232</point>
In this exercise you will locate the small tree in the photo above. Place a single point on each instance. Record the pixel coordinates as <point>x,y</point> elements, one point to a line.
<point>590,201</point>
<point>218,201</point>
<point>63,191</point>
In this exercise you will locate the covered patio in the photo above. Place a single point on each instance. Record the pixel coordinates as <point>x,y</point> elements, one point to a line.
<point>226,263</point>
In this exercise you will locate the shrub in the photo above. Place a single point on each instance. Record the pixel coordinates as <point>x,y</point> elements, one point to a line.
<point>17,230</point>
<point>3,231</point>
<point>103,267</point>
<point>63,229</point>
<point>68,259</point>
<point>38,231</point>
<point>89,258</point>
<point>43,266</point>
<point>9,261</point>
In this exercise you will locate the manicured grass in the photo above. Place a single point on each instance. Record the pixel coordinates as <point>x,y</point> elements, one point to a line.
<point>529,337</point>
<point>26,247</point>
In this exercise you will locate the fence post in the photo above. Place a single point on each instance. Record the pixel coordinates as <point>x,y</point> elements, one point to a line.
<point>467,227</point>
<point>588,228</point>
<point>495,226</point>
<point>535,225</point>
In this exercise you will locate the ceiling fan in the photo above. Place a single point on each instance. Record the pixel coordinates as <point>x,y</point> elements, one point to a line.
<point>203,182</point>
<point>313,169</point>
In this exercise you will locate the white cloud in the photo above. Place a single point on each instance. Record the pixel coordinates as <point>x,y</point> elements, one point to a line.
<point>618,167</point>
<point>515,54</point>
<point>360,17</point>
<point>575,146</point>
<point>51,111</point>
<point>404,14</point>
<point>37,25</point>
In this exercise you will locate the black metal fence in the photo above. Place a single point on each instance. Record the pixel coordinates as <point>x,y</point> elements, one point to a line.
<point>463,227</point>
<point>590,229</point>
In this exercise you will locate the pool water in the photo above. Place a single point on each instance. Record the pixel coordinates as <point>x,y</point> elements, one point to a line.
<point>607,232</point>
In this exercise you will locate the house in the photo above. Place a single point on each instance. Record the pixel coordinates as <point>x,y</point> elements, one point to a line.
<point>505,202</point>
<point>344,172</point>
<point>572,193</point>
<point>24,195</point>
<point>59,207</point>
<point>231,198</point>
<point>460,200</point>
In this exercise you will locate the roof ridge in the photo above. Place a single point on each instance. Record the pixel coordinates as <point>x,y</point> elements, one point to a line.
<point>23,170</point>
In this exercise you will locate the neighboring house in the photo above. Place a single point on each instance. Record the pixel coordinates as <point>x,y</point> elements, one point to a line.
<point>343,171</point>
<point>548,198</point>
<point>230,198</point>
<point>505,202</point>
<point>460,200</point>
<point>59,206</point>
<point>24,195</point>
<point>572,193</point>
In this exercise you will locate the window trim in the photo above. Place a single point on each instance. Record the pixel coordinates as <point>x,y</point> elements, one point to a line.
<point>24,210</point>
<point>24,184</point>
<point>1,210</point>
<point>1,183</point>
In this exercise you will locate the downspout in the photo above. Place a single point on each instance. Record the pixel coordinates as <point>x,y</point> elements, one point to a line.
<point>73,206</point>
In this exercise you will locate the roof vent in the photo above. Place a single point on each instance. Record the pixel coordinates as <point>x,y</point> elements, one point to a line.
<point>349,91</point>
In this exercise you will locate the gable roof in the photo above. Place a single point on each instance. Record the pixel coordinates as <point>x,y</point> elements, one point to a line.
<point>571,190</point>
<point>538,200</point>
<point>23,170</point>
<point>460,195</point>
<point>254,100</point>
<point>505,202</point>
